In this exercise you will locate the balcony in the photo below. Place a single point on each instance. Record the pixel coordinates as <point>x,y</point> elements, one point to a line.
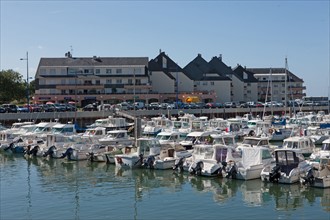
<point>80,86</point>
<point>137,86</point>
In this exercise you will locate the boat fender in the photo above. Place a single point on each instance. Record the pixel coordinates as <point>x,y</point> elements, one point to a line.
<point>271,131</point>
<point>119,160</point>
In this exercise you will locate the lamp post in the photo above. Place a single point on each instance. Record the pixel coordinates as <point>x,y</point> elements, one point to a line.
<point>27,79</point>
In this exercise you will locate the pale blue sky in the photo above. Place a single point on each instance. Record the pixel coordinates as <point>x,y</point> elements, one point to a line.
<point>251,33</point>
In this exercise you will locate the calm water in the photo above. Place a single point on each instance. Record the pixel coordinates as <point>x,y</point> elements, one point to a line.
<point>55,189</point>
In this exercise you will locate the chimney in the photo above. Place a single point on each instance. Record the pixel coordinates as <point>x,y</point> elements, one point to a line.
<point>200,55</point>
<point>220,57</point>
<point>160,51</point>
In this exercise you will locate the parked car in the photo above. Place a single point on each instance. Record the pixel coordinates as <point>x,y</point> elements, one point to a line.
<point>2,109</point>
<point>70,108</point>
<point>230,105</point>
<point>89,107</point>
<point>21,108</point>
<point>46,108</point>
<point>11,108</point>
<point>153,106</point>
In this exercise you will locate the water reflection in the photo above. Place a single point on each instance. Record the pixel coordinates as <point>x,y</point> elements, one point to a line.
<point>103,181</point>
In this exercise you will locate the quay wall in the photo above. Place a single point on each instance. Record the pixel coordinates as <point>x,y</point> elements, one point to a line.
<point>88,117</point>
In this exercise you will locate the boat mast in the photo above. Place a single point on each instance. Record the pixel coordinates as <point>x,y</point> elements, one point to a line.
<point>270,71</point>
<point>285,85</point>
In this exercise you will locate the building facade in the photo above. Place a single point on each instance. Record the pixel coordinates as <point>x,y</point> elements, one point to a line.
<point>278,84</point>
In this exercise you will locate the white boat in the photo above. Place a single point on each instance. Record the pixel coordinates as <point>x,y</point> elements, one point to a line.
<point>117,137</point>
<point>172,138</point>
<point>319,175</point>
<point>110,155</point>
<point>112,123</point>
<point>317,134</point>
<point>324,152</point>
<point>196,137</point>
<point>151,128</point>
<point>166,158</point>
<point>254,141</point>
<point>65,129</point>
<point>210,160</point>
<point>302,144</point>
<point>156,125</point>
<point>290,165</point>
<point>145,147</point>
<point>254,159</point>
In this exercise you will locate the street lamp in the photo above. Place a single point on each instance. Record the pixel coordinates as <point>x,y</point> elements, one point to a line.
<point>27,79</point>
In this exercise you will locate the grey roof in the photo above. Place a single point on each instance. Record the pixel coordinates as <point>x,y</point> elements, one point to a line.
<point>239,73</point>
<point>291,77</point>
<point>156,64</point>
<point>198,69</point>
<point>93,61</point>
<point>220,66</point>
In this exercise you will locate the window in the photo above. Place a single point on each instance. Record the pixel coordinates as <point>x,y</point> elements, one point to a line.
<point>52,71</point>
<point>109,81</point>
<point>212,83</point>
<point>97,82</point>
<point>130,82</point>
<point>119,81</point>
<point>42,71</point>
<point>137,70</point>
<point>204,83</point>
<point>108,71</point>
<point>97,71</point>
<point>164,62</point>
<point>118,71</point>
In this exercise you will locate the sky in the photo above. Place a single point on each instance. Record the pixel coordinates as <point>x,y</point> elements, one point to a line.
<point>255,34</point>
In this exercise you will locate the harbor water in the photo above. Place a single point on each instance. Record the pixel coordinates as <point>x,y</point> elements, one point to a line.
<point>38,188</point>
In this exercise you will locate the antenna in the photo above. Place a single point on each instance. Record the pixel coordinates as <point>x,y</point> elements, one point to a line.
<point>71,49</point>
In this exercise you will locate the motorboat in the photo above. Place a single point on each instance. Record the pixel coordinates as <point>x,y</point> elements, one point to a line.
<point>289,166</point>
<point>112,123</point>
<point>317,134</point>
<point>255,141</point>
<point>145,147</point>
<point>302,144</point>
<point>167,157</point>
<point>324,152</point>
<point>117,137</point>
<point>318,175</point>
<point>210,160</point>
<point>196,137</point>
<point>110,155</point>
<point>254,159</point>
<point>172,138</point>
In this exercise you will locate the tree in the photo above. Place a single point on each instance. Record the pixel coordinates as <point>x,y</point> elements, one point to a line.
<point>12,86</point>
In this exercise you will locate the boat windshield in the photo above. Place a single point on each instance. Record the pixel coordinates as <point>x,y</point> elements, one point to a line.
<point>250,141</point>
<point>165,137</point>
<point>326,146</point>
<point>290,144</point>
<point>206,152</point>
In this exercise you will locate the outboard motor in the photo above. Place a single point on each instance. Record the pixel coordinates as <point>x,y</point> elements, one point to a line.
<point>309,178</point>
<point>179,164</point>
<point>68,153</point>
<point>34,151</point>
<point>91,156</point>
<point>149,162</point>
<point>197,168</point>
<point>140,160</point>
<point>232,172</point>
<point>50,152</point>
<point>10,146</point>
<point>275,174</point>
